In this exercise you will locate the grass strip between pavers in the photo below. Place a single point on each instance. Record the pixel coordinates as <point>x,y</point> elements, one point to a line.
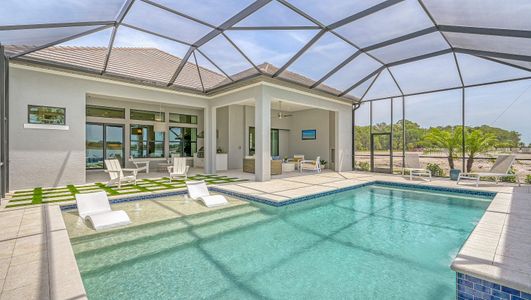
<point>49,195</point>
<point>109,190</point>
<point>37,196</point>
<point>72,189</point>
<point>166,185</point>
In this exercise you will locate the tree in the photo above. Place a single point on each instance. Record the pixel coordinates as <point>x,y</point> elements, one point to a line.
<point>477,141</point>
<point>449,139</point>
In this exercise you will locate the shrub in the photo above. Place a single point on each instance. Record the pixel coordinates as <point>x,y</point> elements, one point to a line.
<point>528,179</point>
<point>364,166</point>
<point>511,179</point>
<point>435,170</point>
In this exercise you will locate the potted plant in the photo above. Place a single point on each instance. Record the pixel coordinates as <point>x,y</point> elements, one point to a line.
<point>323,163</point>
<point>451,141</point>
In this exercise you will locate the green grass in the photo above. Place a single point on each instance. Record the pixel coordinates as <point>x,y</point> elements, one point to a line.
<point>41,195</point>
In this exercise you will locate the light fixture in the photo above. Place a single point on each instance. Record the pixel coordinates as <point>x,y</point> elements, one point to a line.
<point>280,114</point>
<point>159,126</point>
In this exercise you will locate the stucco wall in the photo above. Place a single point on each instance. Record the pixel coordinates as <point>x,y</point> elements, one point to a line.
<point>44,157</point>
<point>317,119</point>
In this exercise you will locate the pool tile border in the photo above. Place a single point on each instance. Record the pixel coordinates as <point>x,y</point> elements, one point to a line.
<point>259,199</point>
<point>472,288</point>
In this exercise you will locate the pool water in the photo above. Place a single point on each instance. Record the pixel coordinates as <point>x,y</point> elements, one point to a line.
<point>373,242</point>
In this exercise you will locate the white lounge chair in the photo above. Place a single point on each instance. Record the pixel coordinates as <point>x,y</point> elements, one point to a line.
<point>312,165</point>
<point>117,173</point>
<point>501,168</point>
<point>179,168</point>
<point>199,190</point>
<point>412,164</point>
<point>95,208</point>
<point>140,165</point>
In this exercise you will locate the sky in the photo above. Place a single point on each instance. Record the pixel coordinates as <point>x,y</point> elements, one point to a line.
<point>504,105</point>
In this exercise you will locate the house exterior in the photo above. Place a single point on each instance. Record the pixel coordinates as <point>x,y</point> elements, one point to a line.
<point>116,116</point>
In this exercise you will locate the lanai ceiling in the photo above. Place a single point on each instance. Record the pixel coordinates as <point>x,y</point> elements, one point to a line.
<point>367,49</point>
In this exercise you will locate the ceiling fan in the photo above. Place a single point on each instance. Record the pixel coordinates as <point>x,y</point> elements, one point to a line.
<point>280,114</point>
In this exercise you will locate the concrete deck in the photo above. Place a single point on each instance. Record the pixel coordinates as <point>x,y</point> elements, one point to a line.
<point>36,258</point>
<point>37,261</point>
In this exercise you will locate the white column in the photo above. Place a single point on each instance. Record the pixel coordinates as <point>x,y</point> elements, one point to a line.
<point>343,126</point>
<point>262,117</point>
<point>210,143</point>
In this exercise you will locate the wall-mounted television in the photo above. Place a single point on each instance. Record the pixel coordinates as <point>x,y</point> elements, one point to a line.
<point>309,134</point>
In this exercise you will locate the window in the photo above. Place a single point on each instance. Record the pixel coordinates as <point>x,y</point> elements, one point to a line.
<point>275,141</point>
<point>145,142</point>
<point>46,115</point>
<point>180,118</point>
<point>144,115</point>
<point>103,141</point>
<point>105,112</point>
<point>183,141</point>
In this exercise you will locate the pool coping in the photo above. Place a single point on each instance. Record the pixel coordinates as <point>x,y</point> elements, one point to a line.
<point>498,250</point>
<point>289,201</point>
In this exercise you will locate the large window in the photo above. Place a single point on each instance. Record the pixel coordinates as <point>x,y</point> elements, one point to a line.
<point>145,142</point>
<point>183,141</point>
<point>145,115</point>
<point>105,112</point>
<point>103,141</point>
<point>181,118</point>
<point>46,115</point>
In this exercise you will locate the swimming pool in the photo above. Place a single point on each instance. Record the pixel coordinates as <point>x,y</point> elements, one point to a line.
<point>371,242</point>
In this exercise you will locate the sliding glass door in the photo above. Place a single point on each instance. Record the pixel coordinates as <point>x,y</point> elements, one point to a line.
<point>275,141</point>
<point>103,141</point>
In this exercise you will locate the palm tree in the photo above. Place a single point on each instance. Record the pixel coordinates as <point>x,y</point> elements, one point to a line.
<point>445,139</point>
<point>477,142</point>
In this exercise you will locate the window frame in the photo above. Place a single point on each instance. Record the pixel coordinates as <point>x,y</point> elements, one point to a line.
<point>46,106</point>
<point>148,142</point>
<point>155,113</point>
<point>192,117</point>
<point>105,107</point>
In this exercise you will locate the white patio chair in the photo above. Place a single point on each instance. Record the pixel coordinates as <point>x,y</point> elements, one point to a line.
<point>311,165</point>
<point>199,190</point>
<point>95,208</point>
<point>179,168</point>
<point>501,168</point>
<point>412,164</point>
<point>140,165</point>
<point>117,173</point>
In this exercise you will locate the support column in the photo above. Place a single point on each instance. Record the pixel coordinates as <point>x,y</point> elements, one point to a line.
<point>210,143</point>
<point>343,130</point>
<point>262,120</point>
<point>4,145</point>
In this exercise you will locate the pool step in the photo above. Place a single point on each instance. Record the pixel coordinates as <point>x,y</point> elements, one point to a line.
<point>129,244</point>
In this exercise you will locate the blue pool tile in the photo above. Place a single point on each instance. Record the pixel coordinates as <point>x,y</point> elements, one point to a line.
<point>482,288</point>
<point>526,296</point>
<point>502,295</point>
<point>465,283</point>
<point>510,291</point>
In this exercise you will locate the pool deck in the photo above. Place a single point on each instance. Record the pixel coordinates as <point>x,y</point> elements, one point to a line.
<point>37,260</point>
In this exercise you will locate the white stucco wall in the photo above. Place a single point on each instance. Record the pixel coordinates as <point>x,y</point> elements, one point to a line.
<point>44,157</point>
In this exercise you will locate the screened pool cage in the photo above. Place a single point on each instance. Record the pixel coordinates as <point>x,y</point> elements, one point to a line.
<point>403,60</point>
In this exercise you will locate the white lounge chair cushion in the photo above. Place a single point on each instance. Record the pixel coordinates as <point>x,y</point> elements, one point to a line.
<point>96,208</point>
<point>214,200</point>
<point>199,190</point>
<point>92,203</point>
<point>110,219</point>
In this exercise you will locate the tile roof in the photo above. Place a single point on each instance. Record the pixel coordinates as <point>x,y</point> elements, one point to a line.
<point>156,66</point>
